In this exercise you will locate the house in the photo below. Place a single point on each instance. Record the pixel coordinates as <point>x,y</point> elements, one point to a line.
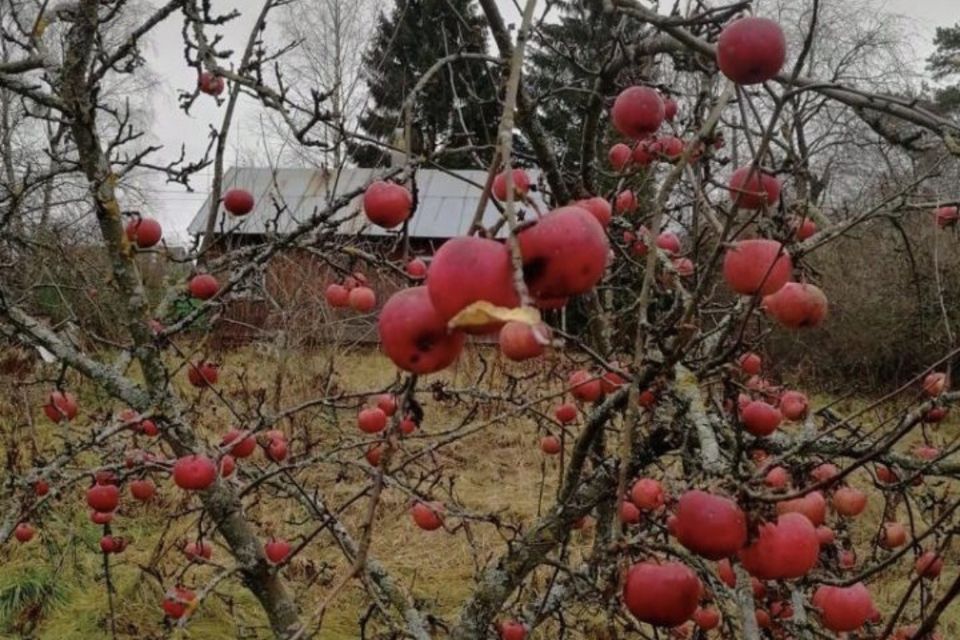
<point>291,294</point>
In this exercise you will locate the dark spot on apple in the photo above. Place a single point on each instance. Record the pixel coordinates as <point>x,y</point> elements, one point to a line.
<point>534,269</point>
<point>424,342</point>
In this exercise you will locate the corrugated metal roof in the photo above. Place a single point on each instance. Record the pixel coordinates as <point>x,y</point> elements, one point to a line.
<point>447,201</point>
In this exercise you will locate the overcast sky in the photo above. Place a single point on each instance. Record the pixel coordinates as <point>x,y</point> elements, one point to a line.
<point>174,207</point>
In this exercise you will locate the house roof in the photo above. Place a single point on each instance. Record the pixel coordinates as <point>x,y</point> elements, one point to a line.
<point>447,201</point>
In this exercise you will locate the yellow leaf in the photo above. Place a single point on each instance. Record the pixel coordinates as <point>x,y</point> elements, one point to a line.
<point>41,26</point>
<point>482,312</point>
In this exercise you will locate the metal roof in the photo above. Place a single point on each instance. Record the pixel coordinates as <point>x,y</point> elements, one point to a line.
<point>446,201</point>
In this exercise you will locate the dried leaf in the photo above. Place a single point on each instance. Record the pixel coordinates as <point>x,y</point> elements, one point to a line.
<point>482,312</point>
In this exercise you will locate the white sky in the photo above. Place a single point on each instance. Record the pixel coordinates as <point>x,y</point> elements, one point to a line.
<point>174,207</point>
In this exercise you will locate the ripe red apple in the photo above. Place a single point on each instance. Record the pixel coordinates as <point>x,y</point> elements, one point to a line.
<point>142,489</point>
<point>843,608</point>
<point>585,386</point>
<point>669,242</point>
<point>112,544</point>
<point>194,472</point>
<point>750,363</point>
<point>620,156</point>
<point>24,532</point>
<point>520,341</point>
<point>946,216</point>
<point>813,506</point>
<point>751,50</point>
<point>684,267</point>
<point>550,445</point>
<point>276,550</point>
<point>935,415</point>
<point>199,550</point>
<point>711,526</point>
<point>598,207</point>
<point>469,269</point>
<point>374,454</point>
<point>926,452</point>
<point>239,202</point>
<point>626,202</point>
<point>648,494</point>
<point>227,466</point>
<point>803,228</point>
<point>414,335</point>
<point>145,232</point>
<point>760,419</point>
<point>757,266</point>
<point>825,472</point>
<point>210,84</point>
<point>797,305</point>
<point>203,286</point>
<point>565,413</point>
<point>387,204</point>
<point>777,478</point>
<point>794,405</point>
<point>243,444</point>
<point>706,618</point>
<point>725,573</point>
<point>407,426</point>
<point>669,109</point>
<point>512,630</point>
<point>825,535</point>
<point>149,428</point>
<point>629,513</point>
<point>751,188</point>
<point>934,384</point>
<point>372,420</point>
<point>428,515</point>
<point>643,153</point>
<point>61,406</point>
<point>668,148</point>
<point>785,550</point>
<point>277,448</point>
<point>337,296</point>
<point>416,268</point>
<point>886,475</point>
<point>663,595</point>
<point>177,601</point>
<point>41,487</point>
<point>929,565</point>
<point>894,535</point>
<point>637,112</point>
<point>387,402</point>
<point>362,299</point>
<point>203,374</point>
<point>103,497</point>
<point>848,501</point>
<point>521,185</point>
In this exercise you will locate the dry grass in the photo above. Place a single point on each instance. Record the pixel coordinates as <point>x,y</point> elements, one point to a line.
<point>499,470</point>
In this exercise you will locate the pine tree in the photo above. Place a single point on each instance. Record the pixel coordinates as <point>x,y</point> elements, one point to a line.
<point>457,108</point>
<point>944,64</point>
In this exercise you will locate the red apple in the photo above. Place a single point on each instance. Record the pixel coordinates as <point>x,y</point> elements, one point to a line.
<point>751,188</point>
<point>337,296</point>
<point>239,202</point>
<point>751,50</point>
<point>757,266</point>
<point>24,532</point>
<point>428,515</point>
<point>416,268</point>
<point>203,286</point>
<point>362,299</point>
<point>797,305</point>
<point>521,185</point>
<point>467,270</point>
<point>61,406</point>
<point>387,204</point>
<point>564,253</point>
<point>276,550</point>
<point>520,341</point>
<point>662,594</point>
<point>210,84</point>
<point>637,112</point>
<point>194,472</point>
<point>414,336</point>
<point>620,156</point>
<point>145,232</point>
